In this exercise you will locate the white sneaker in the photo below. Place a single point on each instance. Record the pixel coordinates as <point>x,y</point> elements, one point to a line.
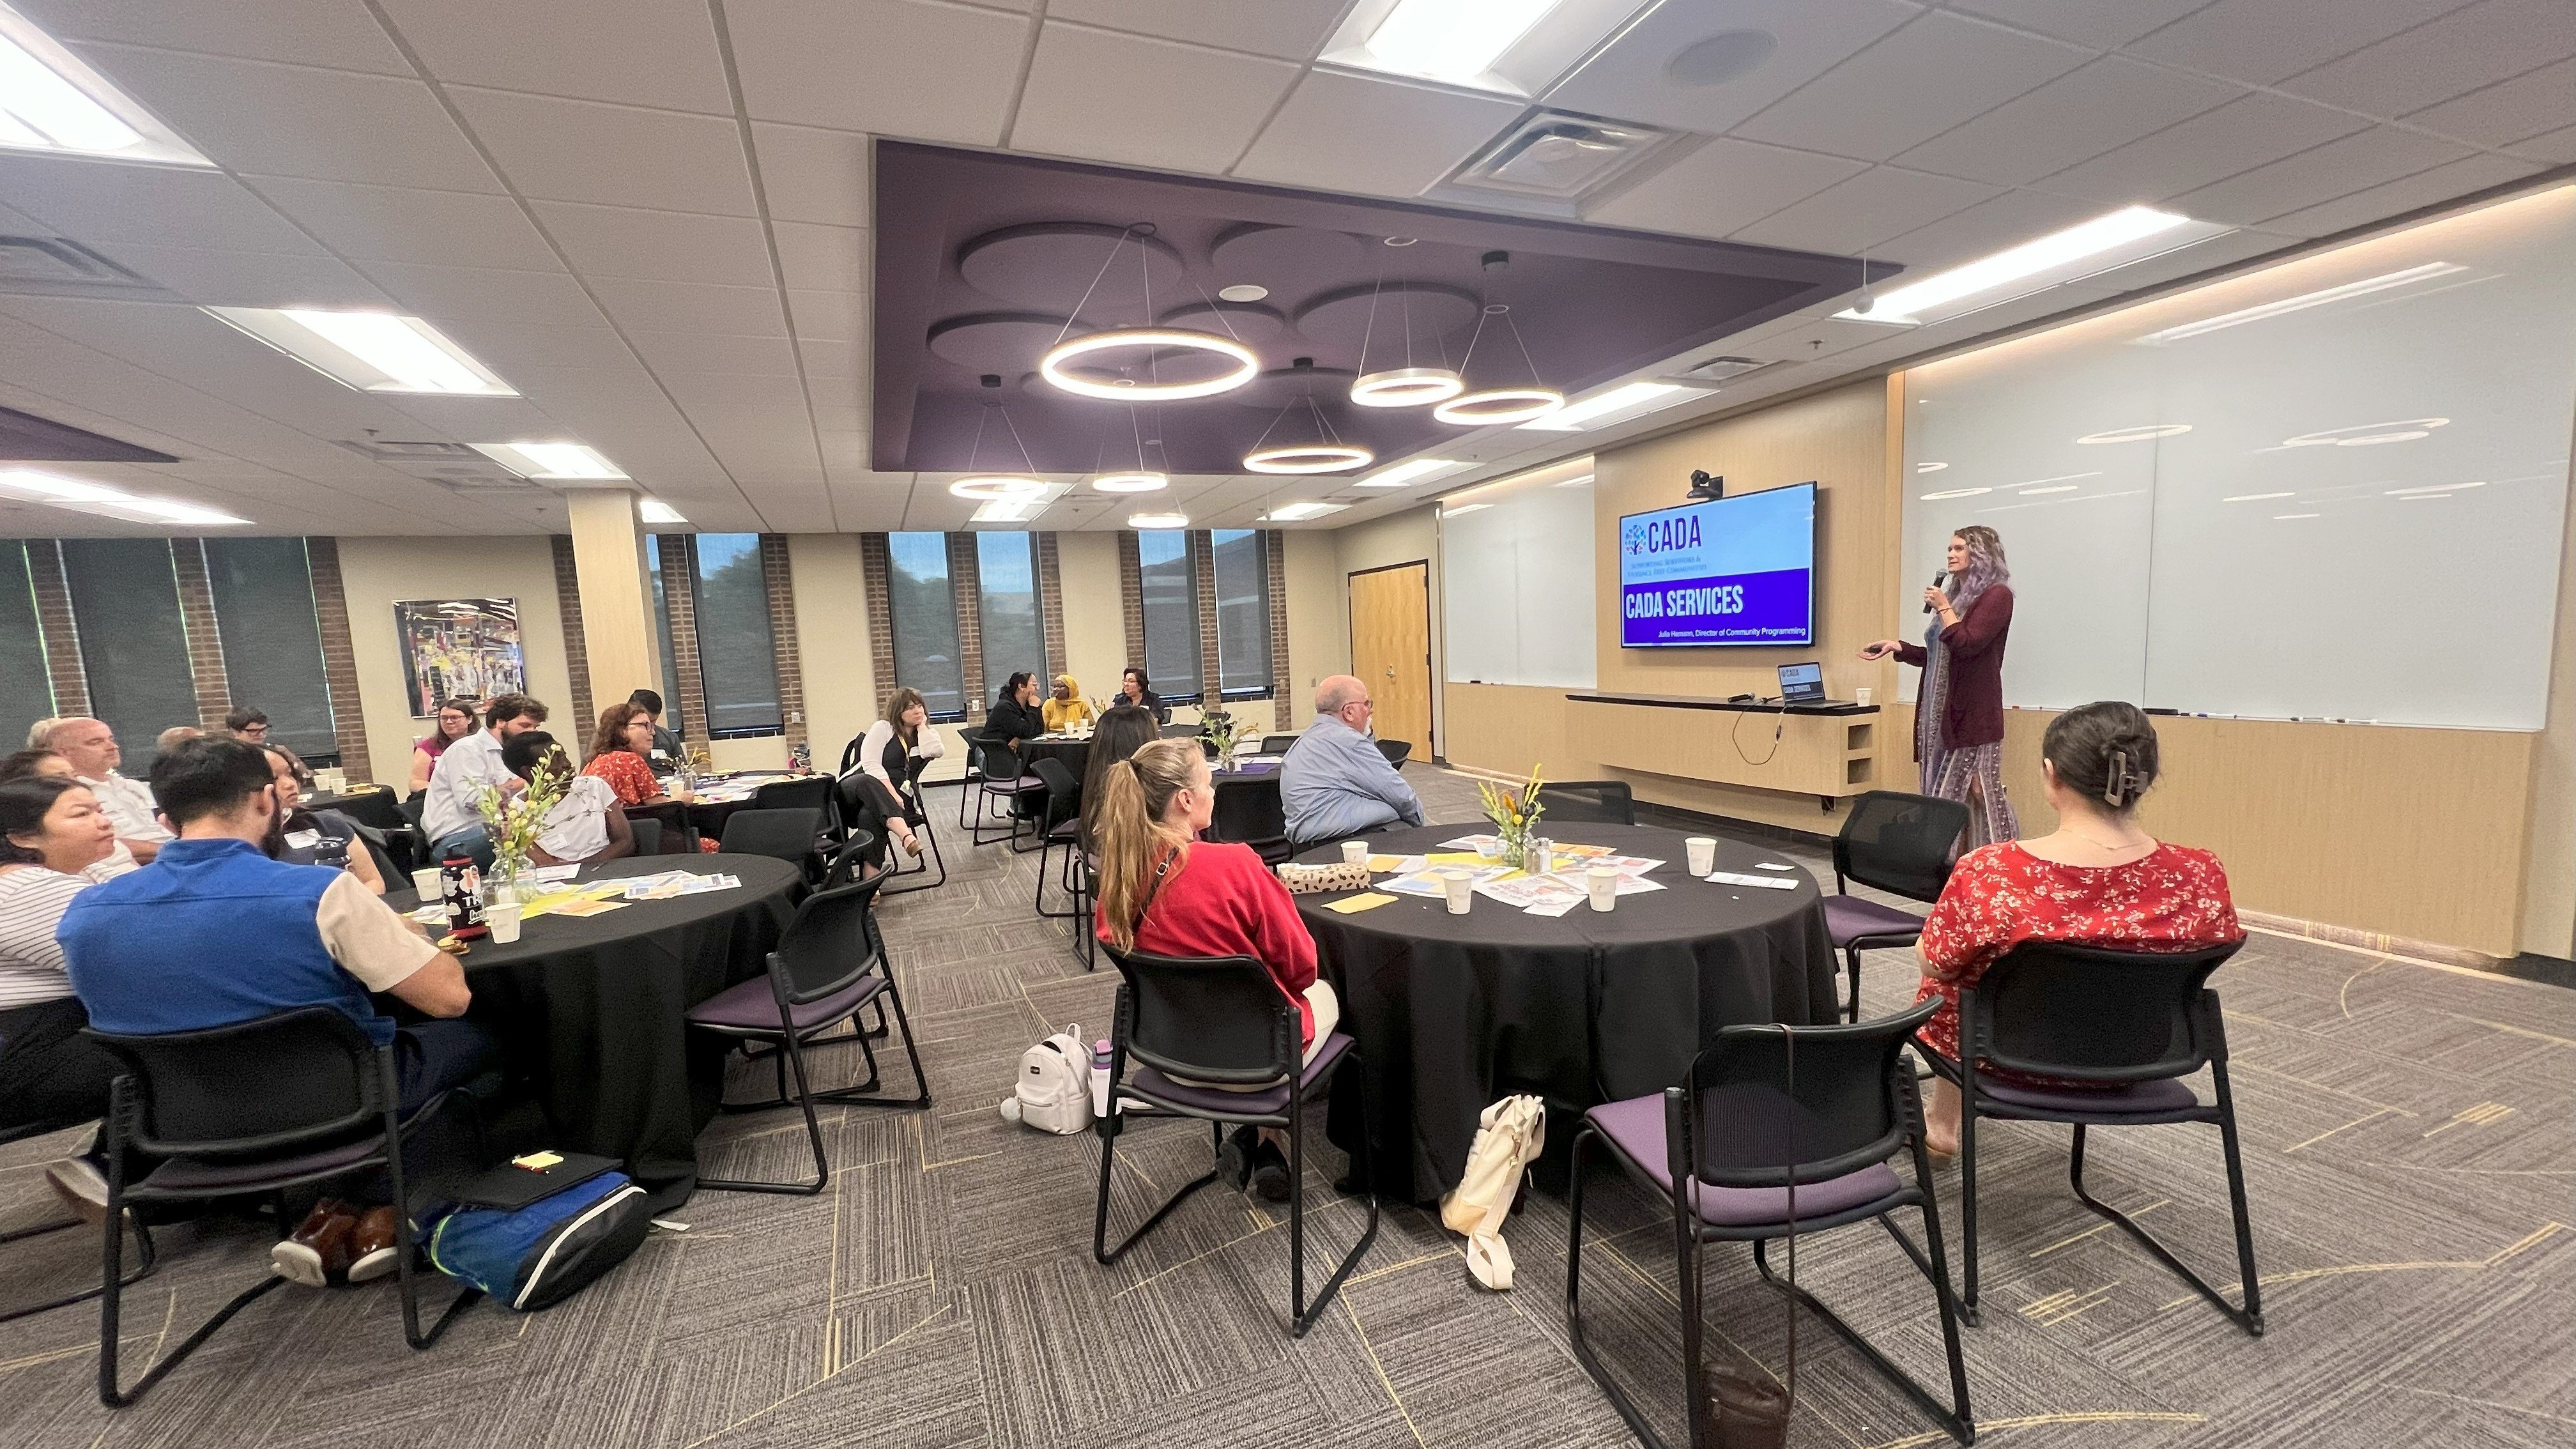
<point>81,1186</point>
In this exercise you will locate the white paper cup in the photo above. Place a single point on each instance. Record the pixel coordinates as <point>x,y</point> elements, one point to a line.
<point>1863,696</point>
<point>1602,881</point>
<point>1703,853</point>
<point>1355,852</point>
<point>1461,887</point>
<point>504,921</point>
<point>425,883</point>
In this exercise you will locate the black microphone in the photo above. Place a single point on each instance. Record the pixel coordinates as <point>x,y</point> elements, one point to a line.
<point>1939,577</point>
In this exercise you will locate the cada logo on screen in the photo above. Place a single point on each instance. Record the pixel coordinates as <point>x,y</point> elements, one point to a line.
<point>1662,535</point>
<point>1729,571</point>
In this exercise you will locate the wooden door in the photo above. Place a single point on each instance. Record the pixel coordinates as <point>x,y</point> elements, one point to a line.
<point>1391,649</point>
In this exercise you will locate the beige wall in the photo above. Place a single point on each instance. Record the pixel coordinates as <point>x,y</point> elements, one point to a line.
<point>374,572</point>
<point>1095,620</point>
<point>841,692</point>
<point>1395,539</point>
<point>1319,642</point>
<point>2549,881</point>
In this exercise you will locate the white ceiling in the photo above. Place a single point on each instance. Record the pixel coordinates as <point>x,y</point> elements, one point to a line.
<point>651,216</point>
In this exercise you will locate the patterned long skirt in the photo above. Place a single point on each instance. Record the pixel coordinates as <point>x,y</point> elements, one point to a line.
<point>1975,778</point>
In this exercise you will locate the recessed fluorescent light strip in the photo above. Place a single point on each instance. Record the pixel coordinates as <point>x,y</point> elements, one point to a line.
<point>1409,472</point>
<point>369,351</point>
<point>1618,405</point>
<point>1008,510</point>
<point>1300,512</point>
<point>49,101</point>
<point>1452,40</point>
<point>2302,302</point>
<point>2103,233</point>
<point>86,497</point>
<point>552,461</point>
<point>654,510</point>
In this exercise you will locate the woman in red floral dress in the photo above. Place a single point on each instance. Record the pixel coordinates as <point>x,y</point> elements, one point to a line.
<point>2100,880</point>
<point>618,753</point>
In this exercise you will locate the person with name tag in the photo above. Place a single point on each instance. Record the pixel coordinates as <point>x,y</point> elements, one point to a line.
<point>316,837</point>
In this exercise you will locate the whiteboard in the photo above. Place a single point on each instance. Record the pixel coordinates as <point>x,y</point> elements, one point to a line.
<point>1517,584</point>
<point>2330,489</point>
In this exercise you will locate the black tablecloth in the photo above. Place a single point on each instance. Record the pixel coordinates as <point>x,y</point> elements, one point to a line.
<point>1076,754</point>
<point>1454,1012</point>
<point>593,1009</point>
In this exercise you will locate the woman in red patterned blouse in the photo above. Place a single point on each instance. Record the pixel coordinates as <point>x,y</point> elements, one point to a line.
<point>617,754</point>
<point>2098,881</point>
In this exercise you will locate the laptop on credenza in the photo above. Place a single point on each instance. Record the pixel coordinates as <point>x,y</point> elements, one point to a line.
<point>1802,684</point>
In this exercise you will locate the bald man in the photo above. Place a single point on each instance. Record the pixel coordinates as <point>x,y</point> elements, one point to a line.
<point>1335,782</point>
<point>91,748</point>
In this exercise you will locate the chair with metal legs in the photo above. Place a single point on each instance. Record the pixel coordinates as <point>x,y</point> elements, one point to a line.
<point>1061,825</point>
<point>826,968</point>
<point>2125,1027</point>
<point>147,1252</point>
<point>921,865</point>
<point>1897,843</point>
<point>1188,1023</point>
<point>1720,1150</point>
<point>1008,782</point>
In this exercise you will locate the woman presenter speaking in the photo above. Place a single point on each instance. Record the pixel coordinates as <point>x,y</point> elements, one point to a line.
<point>1959,712</point>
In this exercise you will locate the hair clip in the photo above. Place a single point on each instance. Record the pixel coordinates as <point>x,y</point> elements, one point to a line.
<point>2119,778</point>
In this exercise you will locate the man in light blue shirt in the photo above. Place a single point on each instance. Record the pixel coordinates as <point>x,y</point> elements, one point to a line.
<point>1335,782</point>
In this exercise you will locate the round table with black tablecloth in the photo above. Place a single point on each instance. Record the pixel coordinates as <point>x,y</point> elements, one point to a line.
<point>1074,751</point>
<point>1456,1012</point>
<point>594,1009</point>
<point>708,816</point>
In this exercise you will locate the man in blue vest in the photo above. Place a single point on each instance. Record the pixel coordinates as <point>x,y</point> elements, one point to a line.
<point>216,931</point>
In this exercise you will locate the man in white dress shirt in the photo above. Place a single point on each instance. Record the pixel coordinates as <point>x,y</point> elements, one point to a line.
<point>448,815</point>
<point>91,748</point>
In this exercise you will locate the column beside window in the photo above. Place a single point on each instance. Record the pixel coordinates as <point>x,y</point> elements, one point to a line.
<point>576,645</point>
<point>204,641</point>
<point>339,656</point>
<point>963,590</point>
<point>788,663</point>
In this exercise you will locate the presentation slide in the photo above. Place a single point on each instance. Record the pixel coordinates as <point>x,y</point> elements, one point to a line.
<point>1737,571</point>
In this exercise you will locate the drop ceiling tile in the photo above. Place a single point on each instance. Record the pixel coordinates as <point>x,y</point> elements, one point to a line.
<point>1104,96</point>
<point>836,361</point>
<point>2508,111</point>
<point>1289,29</point>
<point>403,224</point>
<point>287,120</point>
<point>1858,214</point>
<point>646,53</point>
<point>2074,118</point>
<point>2264,41</point>
<point>151,205</point>
<point>2085,22</point>
<point>559,150</point>
<point>1989,226</point>
<point>2395,198</point>
<point>823,258</point>
<point>673,246</point>
<point>2556,147</point>
<point>250,279</point>
<point>691,307</point>
<point>1628,78</point>
<point>911,68</point>
<point>479,296</point>
<point>2209,147</point>
<point>1934,73</point>
<point>1721,188</point>
<point>1377,137</point>
<point>813,176</point>
<point>2459,53</point>
<point>830,316</point>
<point>2311,178</point>
<point>328,33</point>
<point>517,350</point>
<point>673,354</point>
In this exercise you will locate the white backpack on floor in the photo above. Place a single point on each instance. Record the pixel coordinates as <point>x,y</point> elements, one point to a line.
<point>1054,1089</point>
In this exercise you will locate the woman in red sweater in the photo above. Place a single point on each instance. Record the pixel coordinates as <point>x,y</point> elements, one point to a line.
<point>1959,714</point>
<point>1165,892</point>
<point>2098,881</point>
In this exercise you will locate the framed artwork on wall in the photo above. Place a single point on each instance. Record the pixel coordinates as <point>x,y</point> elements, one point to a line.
<point>458,649</point>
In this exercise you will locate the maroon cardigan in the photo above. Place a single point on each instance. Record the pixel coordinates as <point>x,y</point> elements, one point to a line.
<point>1974,712</point>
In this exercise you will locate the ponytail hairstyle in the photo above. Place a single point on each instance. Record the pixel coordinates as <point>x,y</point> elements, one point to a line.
<point>1986,566</point>
<point>1135,845</point>
<point>900,703</point>
<point>2103,751</point>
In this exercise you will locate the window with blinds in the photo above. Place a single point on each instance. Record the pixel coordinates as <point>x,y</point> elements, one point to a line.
<point>272,638</point>
<point>134,642</point>
<point>1007,609</point>
<point>672,718</point>
<point>737,654</point>
<point>1170,599</point>
<point>26,690</point>
<point>926,652</point>
<point>1242,612</point>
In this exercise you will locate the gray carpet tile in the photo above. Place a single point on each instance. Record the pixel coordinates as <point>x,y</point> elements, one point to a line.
<point>2408,1151</point>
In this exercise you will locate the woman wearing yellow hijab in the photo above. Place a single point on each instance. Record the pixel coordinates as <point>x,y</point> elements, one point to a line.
<point>1065,708</point>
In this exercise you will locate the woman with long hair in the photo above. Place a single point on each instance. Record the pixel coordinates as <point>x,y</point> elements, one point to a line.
<point>619,753</point>
<point>456,720</point>
<point>1165,892</point>
<point>878,791</point>
<point>1959,712</point>
<point>315,837</point>
<point>1122,731</point>
<point>55,841</point>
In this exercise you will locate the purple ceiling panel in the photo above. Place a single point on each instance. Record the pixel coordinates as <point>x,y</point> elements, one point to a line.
<point>984,260</point>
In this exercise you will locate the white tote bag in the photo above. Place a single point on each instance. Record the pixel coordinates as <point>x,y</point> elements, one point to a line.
<point>1509,1137</point>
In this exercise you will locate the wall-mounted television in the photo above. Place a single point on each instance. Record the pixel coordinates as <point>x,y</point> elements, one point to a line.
<point>1732,572</point>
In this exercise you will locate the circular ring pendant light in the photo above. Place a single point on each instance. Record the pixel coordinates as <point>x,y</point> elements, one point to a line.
<point>1407,387</point>
<point>1497,405</point>
<point>1246,366</point>
<point>1308,458</point>
<point>1158,520</point>
<point>997,487</point>
<point>1134,481</point>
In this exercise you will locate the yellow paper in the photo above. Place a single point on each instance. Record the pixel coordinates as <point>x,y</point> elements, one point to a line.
<point>1381,864</point>
<point>589,908</point>
<point>1364,901</point>
<point>1456,857</point>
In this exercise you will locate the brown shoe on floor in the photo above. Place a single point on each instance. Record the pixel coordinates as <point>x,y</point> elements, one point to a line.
<point>372,1249</point>
<point>319,1246</point>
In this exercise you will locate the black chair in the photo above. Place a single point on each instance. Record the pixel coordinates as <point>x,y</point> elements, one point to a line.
<point>850,753</point>
<point>374,805</point>
<point>788,835</point>
<point>253,1108</point>
<point>1010,782</point>
<point>1171,731</point>
<point>1248,810</point>
<point>647,832</point>
<point>1897,843</point>
<point>973,777</point>
<point>1277,744</point>
<point>921,865</point>
<point>806,792</point>
<point>1223,1019</point>
<point>1062,825</point>
<point>2130,1025</point>
<point>1396,751</point>
<point>388,869</point>
<point>1594,802</point>
<point>826,968</point>
<point>678,830</point>
<point>1837,1102</point>
<point>146,1255</point>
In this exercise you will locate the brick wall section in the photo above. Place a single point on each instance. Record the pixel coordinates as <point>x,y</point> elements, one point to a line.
<point>1203,580</point>
<point>965,585</point>
<point>340,659</point>
<point>1131,604</point>
<point>1283,685</point>
<point>54,622</point>
<point>876,565</point>
<point>679,593</point>
<point>778,581</point>
<point>576,643</point>
<point>1051,609</point>
<point>205,643</point>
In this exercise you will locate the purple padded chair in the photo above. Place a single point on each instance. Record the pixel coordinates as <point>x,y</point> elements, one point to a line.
<point>1719,1149</point>
<point>1222,1019</point>
<point>1008,782</point>
<point>1900,844</point>
<point>2128,1026</point>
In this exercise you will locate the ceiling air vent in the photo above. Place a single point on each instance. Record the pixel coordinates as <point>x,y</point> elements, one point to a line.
<point>1718,369</point>
<point>385,451</point>
<point>1558,156</point>
<point>52,266</point>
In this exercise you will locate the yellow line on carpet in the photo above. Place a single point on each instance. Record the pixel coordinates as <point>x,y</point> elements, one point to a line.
<point>2241,1065</point>
<point>2097,1227</point>
<point>1989,1426</point>
<point>791,1394</point>
<point>1185,1262</point>
<point>2475,1115</point>
<point>2481,1403</point>
<point>2343,998</point>
<point>2545,1230</point>
<point>1389,1384</point>
<point>2329,1132</point>
<point>1354,1282</point>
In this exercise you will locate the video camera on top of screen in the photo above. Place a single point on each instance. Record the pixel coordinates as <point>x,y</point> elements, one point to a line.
<point>1705,487</point>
